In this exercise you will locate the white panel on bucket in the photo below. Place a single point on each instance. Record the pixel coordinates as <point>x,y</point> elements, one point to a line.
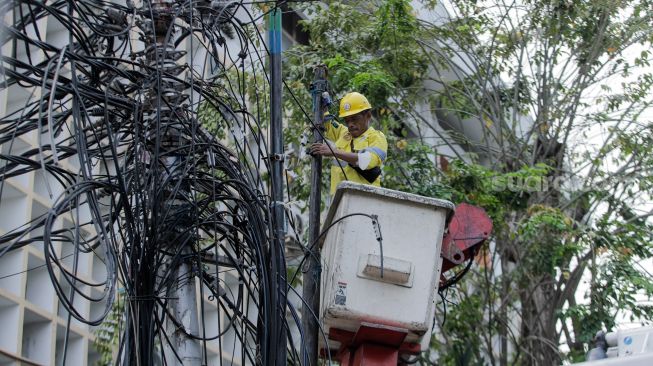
<point>352,289</point>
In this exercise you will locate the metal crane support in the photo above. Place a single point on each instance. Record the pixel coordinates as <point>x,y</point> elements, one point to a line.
<point>372,344</point>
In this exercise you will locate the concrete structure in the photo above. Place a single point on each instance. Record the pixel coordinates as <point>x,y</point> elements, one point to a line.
<point>33,320</point>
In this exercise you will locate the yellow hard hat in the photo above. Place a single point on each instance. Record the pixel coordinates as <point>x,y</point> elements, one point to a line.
<point>353,103</point>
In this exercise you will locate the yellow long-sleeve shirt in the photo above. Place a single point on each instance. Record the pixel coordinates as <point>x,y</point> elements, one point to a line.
<point>371,141</point>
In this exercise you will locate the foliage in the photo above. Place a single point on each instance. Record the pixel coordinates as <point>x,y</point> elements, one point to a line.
<point>411,169</point>
<point>108,334</point>
<point>576,68</point>
<point>560,92</point>
<point>462,351</point>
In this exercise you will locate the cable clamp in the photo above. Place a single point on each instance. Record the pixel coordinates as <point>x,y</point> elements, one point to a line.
<point>326,99</point>
<point>278,203</point>
<point>275,157</point>
<point>318,87</point>
<point>377,227</point>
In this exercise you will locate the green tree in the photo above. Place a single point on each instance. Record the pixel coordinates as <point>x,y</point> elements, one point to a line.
<point>560,94</point>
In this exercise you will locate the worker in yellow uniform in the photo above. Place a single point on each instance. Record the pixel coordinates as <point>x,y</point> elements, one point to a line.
<point>359,149</point>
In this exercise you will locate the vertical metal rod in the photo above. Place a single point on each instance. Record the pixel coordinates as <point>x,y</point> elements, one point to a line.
<point>277,343</point>
<point>311,280</point>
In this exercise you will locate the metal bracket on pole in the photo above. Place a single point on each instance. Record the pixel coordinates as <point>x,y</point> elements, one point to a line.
<point>318,86</point>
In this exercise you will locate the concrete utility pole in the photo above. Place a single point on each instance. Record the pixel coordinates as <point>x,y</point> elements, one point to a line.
<point>277,343</point>
<point>184,308</point>
<point>172,146</point>
<point>311,280</point>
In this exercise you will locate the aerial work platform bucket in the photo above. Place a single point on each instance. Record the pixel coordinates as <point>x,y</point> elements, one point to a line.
<point>391,286</point>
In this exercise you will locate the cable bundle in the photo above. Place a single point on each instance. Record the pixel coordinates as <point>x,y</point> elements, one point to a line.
<point>133,177</point>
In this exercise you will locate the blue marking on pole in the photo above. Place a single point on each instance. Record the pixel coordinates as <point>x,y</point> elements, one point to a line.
<point>274,31</point>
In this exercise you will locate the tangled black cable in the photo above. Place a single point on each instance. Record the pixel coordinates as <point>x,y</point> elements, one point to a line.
<point>109,125</point>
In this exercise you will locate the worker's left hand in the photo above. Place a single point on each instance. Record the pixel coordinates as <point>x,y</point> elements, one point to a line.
<point>322,149</point>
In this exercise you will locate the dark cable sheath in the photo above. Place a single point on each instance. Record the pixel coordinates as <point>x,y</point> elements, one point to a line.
<point>131,174</point>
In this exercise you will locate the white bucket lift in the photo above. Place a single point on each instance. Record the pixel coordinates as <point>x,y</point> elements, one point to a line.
<point>354,292</point>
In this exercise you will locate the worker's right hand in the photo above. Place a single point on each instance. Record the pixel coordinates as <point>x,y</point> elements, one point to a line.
<point>322,149</point>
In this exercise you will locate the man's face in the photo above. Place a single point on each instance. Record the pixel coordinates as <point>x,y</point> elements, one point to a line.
<point>358,123</point>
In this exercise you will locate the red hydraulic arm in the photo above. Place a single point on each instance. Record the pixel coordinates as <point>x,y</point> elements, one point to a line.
<point>469,227</point>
